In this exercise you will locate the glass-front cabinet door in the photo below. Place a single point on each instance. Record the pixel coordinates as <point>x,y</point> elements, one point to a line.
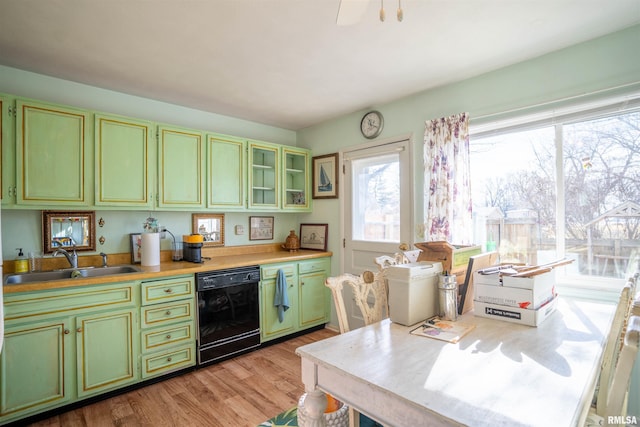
<point>296,180</point>
<point>264,185</point>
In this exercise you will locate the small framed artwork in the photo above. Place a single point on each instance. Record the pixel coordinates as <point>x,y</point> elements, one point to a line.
<point>325,176</point>
<point>314,236</point>
<point>210,226</point>
<point>260,228</point>
<point>136,243</point>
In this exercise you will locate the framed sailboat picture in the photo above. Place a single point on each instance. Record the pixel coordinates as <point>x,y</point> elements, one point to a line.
<point>325,176</point>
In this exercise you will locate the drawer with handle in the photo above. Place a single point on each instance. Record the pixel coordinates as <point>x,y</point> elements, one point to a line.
<point>160,338</point>
<point>171,360</point>
<point>166,290</point>
<point>160,314</point>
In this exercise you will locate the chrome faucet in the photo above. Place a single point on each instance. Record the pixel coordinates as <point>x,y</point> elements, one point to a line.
<point>72,258</point>
<point>104,259</point>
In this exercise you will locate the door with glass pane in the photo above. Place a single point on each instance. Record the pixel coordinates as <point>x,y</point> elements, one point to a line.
<point>378,209</point>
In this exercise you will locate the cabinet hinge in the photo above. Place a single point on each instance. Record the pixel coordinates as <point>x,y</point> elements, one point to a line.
<point>12,111</point>
<point>344,243</point>
<point>344,169</point>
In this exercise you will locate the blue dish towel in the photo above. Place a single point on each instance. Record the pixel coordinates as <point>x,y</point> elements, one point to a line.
<point>281,298</point>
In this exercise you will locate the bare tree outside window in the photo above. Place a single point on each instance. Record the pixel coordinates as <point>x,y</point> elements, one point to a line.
<point>515,188</point>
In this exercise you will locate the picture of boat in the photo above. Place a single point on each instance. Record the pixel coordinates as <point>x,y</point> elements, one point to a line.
<point>325,182</point>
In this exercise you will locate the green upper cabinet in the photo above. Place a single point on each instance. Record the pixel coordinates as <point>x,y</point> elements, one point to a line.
<point>264,175</point>
<point>180,168</point>
<point>123,162</point>
<point>226,172</point>
<point>296,188</point>
<point>7,150</point>
<point>51,153</point>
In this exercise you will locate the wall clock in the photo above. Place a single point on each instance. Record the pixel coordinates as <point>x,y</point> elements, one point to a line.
<point>371,124</point>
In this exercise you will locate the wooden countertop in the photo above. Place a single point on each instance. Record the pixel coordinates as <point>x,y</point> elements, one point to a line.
<point>219,260</point>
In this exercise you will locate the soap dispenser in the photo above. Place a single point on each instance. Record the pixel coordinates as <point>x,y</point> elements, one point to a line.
<point>22,263</point>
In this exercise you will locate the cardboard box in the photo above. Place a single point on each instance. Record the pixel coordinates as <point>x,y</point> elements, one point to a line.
<point>487,279</point>
<point>541,280</point>
<point>454,258</point>
<point>530,299</point>
<point>514,314</point>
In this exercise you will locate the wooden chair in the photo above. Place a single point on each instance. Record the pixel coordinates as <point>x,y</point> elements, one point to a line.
<point>612,348</point>
<point>370,293</point>
<point>615,402</point>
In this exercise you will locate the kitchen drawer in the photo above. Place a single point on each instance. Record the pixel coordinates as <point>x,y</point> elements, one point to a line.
<point>161,338</point>
<point>173,289</point>
<point>164,314</point>
<point>270,271</point>
<point>320,264</point>
<point>79,299</point>
<point>166,361</point>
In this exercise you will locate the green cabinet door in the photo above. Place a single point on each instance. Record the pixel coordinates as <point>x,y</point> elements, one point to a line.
<point>51,166</point>
<point>296,179</point>
<point>313,299</point>
<point>123,162</point>
<point>7,151</point>
<point>107,351</point>
<point>271,326</point>
<point>264,176</point>
<point>180,168</point>
<point>35,361</point>
<point>226,173</point>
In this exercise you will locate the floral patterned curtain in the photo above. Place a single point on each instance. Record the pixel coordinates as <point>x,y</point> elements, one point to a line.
<point>446,171</point>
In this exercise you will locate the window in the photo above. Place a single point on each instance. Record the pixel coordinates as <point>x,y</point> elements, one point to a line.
<point>566,187</point>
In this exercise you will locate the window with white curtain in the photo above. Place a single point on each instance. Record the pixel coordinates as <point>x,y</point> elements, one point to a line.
<point>562,183</point>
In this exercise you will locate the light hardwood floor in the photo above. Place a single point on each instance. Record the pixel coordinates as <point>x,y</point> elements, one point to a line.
<point>243,391</point>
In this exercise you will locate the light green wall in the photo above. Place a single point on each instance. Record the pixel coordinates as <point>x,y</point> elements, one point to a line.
<point>612,61</point>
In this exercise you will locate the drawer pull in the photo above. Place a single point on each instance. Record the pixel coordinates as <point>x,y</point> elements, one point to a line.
<point>168,313</point>
<point>79,330</point>
<point>168,337</point>
<point>66,331</point>
<point>168,290</point>
<point>169,359</point>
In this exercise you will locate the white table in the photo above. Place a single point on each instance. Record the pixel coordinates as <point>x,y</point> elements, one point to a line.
<point>500,374</point>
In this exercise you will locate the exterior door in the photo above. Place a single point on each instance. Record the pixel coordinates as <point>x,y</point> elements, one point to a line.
<point>377,214</point>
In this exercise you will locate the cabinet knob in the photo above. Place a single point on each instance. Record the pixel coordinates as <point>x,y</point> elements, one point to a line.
<point>168,290</point>
<point>168,337</point>
<point>67,331</point>
<point>79,330</point>
<point>168,313</point>
<point>169,359</point>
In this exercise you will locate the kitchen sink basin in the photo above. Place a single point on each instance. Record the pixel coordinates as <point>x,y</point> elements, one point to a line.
<point>69,273</point>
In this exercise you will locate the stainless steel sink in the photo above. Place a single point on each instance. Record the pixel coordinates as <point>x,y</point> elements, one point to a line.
<point>70,273</point>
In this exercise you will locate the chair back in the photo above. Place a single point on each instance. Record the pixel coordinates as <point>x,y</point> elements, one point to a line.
<point>370,294</point>
<point>384,261</point>
<point>612,348</point>
<point>617,399</point>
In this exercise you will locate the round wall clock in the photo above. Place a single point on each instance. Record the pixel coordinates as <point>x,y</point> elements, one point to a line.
<point>371,124</point>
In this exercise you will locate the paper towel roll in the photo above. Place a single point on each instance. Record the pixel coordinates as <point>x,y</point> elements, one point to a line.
<point>150,248</point>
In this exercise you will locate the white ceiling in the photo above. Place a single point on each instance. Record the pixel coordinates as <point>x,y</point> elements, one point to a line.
<point>285,62</point>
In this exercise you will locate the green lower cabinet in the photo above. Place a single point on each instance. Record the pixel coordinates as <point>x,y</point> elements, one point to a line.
<point>309,298</point>
<point>50,360</point>
<point>107,351</point>
<point>270,324</point>
<point>36,360</point>
<point>314,296</point>
<point>168,325</point>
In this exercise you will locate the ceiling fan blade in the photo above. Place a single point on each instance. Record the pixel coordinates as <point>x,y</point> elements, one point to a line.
<point>350,12</point>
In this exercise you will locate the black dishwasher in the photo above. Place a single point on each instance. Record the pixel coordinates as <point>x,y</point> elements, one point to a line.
<point>228,313</point>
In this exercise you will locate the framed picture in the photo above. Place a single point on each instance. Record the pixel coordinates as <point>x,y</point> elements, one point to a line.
<point>314,236</point>
<point>136,243</point>
<point>260,228</point>
<point>210,226</point>
<point>325,176</point>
